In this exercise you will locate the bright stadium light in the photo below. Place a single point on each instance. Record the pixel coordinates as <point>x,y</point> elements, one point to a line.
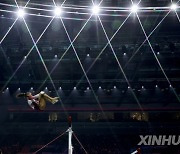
<point>134,8</point>
<point>57,11</point>
<point>173,7</point>
<point>95,10</point>
<point>20,13</point>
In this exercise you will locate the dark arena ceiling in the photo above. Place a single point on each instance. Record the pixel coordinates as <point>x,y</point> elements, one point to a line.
<point>114,67</point>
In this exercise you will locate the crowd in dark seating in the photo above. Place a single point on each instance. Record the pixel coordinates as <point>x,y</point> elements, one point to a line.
<point>92,144</point>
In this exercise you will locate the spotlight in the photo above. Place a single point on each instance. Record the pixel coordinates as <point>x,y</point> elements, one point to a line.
<point>31,88</point>
<point>156,86</point>
<point>114,87</point>
<point>134,8</point>
<point>55,56</point>
<point>60,88</point>
<point>95,10</point>
<point>87,88</point>
<point>124,54</point>
<point>87,55</point>
<point>173,7</point>
<point>57,11</point>
<point>99,87</point>
<point>20,13</point>
<point>128,87</point>
<point>142,87</point>
<point>74,88</point>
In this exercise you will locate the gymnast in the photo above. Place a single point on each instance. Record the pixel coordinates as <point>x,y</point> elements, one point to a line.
<point>38,102</point>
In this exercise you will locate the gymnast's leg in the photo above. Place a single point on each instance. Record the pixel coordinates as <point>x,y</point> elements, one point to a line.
<point>43,97</point>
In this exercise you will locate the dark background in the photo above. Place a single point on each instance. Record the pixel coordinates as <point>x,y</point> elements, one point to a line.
<point>108,117</point>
